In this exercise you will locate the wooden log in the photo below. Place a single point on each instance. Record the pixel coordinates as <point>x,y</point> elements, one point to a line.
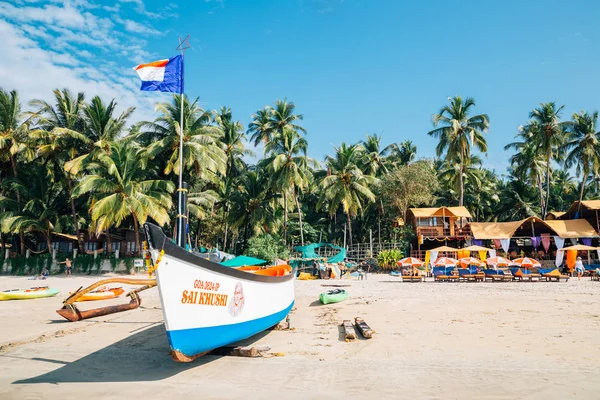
<point>241,351</point>
<point>349,332</point>
<point>70,311</point>
<point>364,329</point>
<point>282,326</point>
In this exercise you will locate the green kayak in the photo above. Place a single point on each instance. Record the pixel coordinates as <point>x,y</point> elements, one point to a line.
<point>333,296</point>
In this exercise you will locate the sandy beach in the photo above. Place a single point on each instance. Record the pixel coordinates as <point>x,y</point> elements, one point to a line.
<point>433,340</point>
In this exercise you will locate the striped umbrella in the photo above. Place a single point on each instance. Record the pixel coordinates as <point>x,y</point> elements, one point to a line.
<point>410,262</point>
<point>527,262</point>
<point>499,261</point>
<point>466,261</point>
<point>446,262</point>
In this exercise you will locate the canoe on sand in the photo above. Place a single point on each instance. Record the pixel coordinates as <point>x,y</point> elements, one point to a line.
<point>33,293</point>
<point>103,294</point>
<point>333,296</point>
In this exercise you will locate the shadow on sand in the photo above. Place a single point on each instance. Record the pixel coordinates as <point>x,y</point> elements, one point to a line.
<point>143,356</point>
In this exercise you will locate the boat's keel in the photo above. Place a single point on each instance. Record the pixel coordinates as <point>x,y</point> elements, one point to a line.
<point>180,357</point>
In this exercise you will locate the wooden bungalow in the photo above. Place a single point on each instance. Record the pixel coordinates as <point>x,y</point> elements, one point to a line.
<point>432,226</point>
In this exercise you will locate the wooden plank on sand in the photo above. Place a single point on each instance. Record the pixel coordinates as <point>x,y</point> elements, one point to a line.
<point>349,332</point>
<point>364,329</point>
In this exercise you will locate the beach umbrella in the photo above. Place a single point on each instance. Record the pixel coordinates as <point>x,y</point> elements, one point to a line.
<point>499,261</point>
<point>466,261</point>
<point>410,262</point>
<point>446,262</point>
<point>526,262</point>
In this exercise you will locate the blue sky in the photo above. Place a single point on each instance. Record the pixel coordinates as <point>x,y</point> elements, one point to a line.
<point>352,67</point>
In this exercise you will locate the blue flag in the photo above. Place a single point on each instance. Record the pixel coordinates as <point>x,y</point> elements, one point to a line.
<point>162,75</point>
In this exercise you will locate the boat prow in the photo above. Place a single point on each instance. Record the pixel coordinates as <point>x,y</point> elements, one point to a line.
<point>207,305</point>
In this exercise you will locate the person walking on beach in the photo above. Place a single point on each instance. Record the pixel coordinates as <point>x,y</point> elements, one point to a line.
<point>579,268</point>
<point>68,266</point>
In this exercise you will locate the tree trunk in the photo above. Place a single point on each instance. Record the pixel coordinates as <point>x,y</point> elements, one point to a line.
<point>22,241</point>
<point>74,214</point>
<point>547,202</point>
<point>461,183</point>
<point>137,235</point>
<point>380,213</point>
<point>582,190</point>
<point>285,210</point>
<point>299,220</point>
<point>349,229</point>
<point>226,214</point>
<point>198,235</point>
<point>541,190</point>
<point>48,241</point>
<point>108,242</point>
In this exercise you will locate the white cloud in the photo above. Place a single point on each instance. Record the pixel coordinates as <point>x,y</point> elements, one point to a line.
<point>58,43</point>
<point>35,71</point>
<point>61,16</point>
<point>135,27</point>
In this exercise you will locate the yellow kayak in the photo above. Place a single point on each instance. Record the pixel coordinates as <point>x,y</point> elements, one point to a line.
<point>33,293</point>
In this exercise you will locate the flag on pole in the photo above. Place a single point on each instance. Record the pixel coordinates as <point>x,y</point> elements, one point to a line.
<point>162,75</point>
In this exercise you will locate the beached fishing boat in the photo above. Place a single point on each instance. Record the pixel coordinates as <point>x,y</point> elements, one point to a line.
<point>207,305</point>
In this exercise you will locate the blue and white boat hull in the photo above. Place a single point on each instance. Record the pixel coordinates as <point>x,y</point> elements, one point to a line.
<point>206,305</point>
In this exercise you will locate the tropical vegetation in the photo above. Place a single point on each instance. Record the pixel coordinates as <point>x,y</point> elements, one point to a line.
<point>70,164</point>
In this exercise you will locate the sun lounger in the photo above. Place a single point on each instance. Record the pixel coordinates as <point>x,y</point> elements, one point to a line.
<point>439,275</point>
<point>466,275</point>
<point>524,275</point>
<point>554,274</point>
<point>493,275</point>
<point>412,278</point>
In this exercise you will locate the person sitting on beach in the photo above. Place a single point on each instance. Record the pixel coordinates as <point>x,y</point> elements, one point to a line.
<point>68,266</point>
<point>579,268</point>
<point>44,274</point>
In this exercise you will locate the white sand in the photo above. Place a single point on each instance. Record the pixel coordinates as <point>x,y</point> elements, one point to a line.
<point>433,340</point>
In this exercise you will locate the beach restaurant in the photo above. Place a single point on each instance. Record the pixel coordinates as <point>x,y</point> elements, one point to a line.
<point>535,237</point>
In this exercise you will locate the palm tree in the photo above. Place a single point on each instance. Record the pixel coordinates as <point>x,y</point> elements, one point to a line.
<point>548,133</point>
<point>583,146</point>
<point>59,138</point>
<point>43,209</point>
<point>345,183</point>
<point>202,150</point>
<point>252,205</point>
<point>13,132</point>
<point>287,166</point>
<point>373,162</point>
<point>233,142</point>
<point>261,127</point>
<point>458,133</point>
<point>121,188</point>
<point>266,123</point>
<point>450,175</point>
<point>528,164</point>
<point>102,127</point>
<point>14,139</point>
<point>406,152</point>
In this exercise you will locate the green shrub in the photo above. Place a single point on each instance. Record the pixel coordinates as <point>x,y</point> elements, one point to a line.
<point>387,259</point>
<point>267,247</point>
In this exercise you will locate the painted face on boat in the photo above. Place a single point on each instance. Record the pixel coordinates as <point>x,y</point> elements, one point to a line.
<point>237,303</point>
<point>238,295</point>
